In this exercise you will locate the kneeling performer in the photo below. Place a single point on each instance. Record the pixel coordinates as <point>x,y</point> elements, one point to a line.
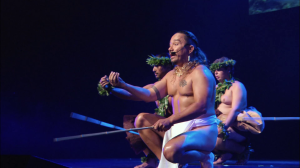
<point>191,132</point>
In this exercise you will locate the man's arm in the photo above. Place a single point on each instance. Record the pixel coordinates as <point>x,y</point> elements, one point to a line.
<point>203,88</point>
<point>238,94</point>
<point>123,94</point>
<point>156,92</point>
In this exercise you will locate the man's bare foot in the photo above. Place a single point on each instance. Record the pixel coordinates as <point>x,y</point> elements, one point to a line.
<point>183,165</point>
<point>150,163</point>
<point>208,161</point>
<point>223,158</point>
<point>244,156</point>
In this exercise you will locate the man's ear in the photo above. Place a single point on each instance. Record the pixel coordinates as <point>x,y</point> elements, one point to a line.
<point>228,69</point>
<point>191,49</point>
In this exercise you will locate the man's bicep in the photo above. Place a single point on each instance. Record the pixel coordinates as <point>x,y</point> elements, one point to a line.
<point>159,89</point>
<point>148,86</point>
<point>201,88</point>
<point>152,92</point>
<point>238,92</point>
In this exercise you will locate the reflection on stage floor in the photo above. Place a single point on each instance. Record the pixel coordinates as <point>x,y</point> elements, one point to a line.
<point>130,163</point>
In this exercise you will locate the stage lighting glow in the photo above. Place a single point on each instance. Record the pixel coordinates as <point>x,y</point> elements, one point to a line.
<point>263,6</point>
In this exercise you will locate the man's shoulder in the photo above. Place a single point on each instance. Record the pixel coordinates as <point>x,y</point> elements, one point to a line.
<point>238,84</point>
<point>201,70</point>
<point>203,74</point>
<point>171,72</point>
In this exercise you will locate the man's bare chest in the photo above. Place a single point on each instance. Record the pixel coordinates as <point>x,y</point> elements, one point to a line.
<point>226,98</point>
<point>180,86</point>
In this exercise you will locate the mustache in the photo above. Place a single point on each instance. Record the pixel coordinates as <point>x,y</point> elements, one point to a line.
<point>174,52</point>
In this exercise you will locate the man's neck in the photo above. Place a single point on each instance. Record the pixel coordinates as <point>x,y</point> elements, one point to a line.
<point>181,64</point>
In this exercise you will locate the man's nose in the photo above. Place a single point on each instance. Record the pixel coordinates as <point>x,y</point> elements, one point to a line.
<point>154,69</point>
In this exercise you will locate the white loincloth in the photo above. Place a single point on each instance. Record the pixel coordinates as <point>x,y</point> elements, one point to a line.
<point>179,128</point>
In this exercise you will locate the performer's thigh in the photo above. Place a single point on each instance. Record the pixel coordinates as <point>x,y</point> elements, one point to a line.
<point>235,136</point>
<point>148,119</point>
<point>201,139</point>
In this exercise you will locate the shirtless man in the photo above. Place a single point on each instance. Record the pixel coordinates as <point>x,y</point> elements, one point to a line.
<point>161,66</point>
<point>229,104</point>
<point>191,86</point>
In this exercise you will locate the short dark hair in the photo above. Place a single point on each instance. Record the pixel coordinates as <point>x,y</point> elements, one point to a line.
<point>162,55</point>
<point>198,54</point>
<point>224,59</point>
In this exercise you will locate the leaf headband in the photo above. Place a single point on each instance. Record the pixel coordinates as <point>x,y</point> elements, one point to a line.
<point>155,61</point>
<point>213,67</point>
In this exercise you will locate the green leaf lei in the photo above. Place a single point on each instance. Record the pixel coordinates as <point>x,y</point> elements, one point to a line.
<point>144,159</point>
<point>224,132</point>
<point>102,91</point>
<point>154,61</point>
<point>213,67</point>
<point>221,88</point>
<point>163,105</point>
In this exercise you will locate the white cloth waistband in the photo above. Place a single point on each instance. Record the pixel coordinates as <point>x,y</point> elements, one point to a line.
<point>180,128</point>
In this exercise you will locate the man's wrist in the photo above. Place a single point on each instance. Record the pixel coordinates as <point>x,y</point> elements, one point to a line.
<point>123,85</point>
<point>171,119</point>
<point>108,88</point>
<point>225,127</point>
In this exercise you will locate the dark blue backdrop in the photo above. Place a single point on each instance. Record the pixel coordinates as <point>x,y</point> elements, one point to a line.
<point>53,54</point>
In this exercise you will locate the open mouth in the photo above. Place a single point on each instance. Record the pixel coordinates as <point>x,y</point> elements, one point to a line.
<point>173,53</point>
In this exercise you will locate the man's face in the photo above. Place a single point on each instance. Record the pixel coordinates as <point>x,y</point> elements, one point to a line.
<point>177,44</point>
<point>222,74</point>
<point>160,71</point>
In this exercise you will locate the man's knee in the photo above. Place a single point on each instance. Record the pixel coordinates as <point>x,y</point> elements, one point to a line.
<point>220,144</point>
<point>139,120</point>
<point>172,153</point>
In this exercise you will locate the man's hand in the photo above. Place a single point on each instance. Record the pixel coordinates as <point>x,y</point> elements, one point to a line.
<point>115,80</point>
<point>104,81</point>
<point>219,130</point>
<point>162,125</point>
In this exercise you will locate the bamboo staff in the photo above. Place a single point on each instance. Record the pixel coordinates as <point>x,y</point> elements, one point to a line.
<point>85,118</point>
<point>269,118</point>
<point>99,133</point>
<point>92,120</point>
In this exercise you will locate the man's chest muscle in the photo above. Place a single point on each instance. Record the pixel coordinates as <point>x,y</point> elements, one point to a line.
<point>182,87</point>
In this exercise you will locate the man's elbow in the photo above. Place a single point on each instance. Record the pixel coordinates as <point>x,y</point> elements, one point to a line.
<point>148,100</point>
<point>202,107</point>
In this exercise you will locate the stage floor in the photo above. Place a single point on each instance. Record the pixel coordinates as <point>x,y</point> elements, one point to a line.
<point>130,163</point>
